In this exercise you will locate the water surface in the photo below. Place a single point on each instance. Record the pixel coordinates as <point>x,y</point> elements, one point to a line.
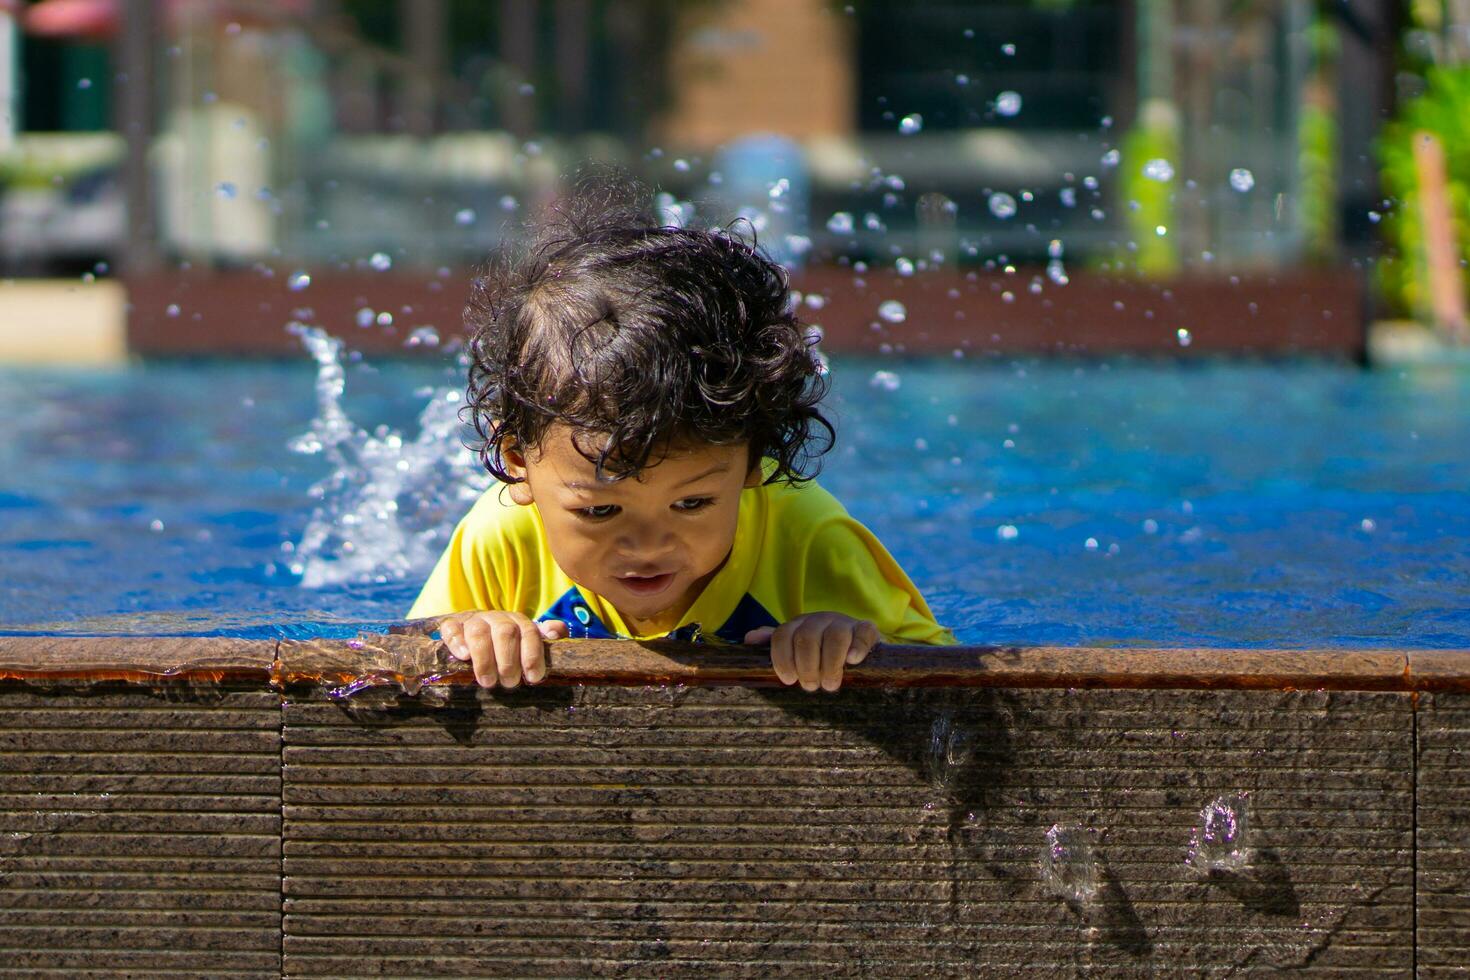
<point>1040,503</point>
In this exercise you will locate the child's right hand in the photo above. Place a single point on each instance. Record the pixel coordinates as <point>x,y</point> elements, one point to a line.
<point>503,646</point>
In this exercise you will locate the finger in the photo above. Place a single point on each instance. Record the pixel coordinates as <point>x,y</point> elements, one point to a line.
<point>864,639</point>
<point>451,631</point>
<point>480,646</point>
<point>760,635</point>
<point>836,639</point>
<point>507,635</point>
<point>782,656</point>
<point>554,629</point>
<point>533,655</point>
<point>806,646</point>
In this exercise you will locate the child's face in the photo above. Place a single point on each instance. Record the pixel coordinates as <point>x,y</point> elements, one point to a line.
<point>648,544</point>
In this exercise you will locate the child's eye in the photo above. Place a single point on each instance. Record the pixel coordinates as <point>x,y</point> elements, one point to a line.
<point>598,511</point>
<point>693,503</point>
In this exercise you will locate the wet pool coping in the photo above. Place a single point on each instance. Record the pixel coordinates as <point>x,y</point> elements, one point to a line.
<point>408,659</point>
<point>263,806</point>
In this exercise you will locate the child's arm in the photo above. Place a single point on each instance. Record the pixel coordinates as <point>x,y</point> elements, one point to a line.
<point>504,647</point>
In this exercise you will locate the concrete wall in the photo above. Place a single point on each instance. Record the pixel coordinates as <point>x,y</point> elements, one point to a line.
<point>208,805</point>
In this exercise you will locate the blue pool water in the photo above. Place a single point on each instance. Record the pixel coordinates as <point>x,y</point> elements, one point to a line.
<point>1039,503</point>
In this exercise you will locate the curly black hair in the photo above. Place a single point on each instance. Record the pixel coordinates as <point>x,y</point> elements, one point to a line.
<point>643,336</point>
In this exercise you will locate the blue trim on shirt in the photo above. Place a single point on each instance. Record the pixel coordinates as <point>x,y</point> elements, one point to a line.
<point>583,623</point>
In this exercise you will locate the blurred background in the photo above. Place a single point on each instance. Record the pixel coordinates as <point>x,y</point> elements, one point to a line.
<point>212,157</point>
<point>1096,283</point>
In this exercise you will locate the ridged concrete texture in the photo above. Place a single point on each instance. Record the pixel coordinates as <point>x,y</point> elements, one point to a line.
<point>139,830</point>
<point>1443,835</point>
<point>702,830</point>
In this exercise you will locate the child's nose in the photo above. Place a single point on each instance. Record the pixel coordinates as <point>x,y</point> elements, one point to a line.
<point>646,539</point>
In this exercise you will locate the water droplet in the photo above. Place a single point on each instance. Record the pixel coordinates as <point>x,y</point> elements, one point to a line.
<point>1161,230</point>
<point>1009,50</point>
<point>422,337</point>
<point>1111,158</point>
<point>1068,865</point>
<point>1090,544</point>
<point>904,266</point>
<point>464,216</point>
<point>1374,217</point>
<point>84,83</point>
<point>1185,337</point>
<point>681,165</point>
<point>1008,103</point>
<point>1098,214</point>
<point>385,319</point>
<point>1068,196</point>
<point>778,189</point>
<point>911,124</point>
<point>1002,205</point>
<point>226,190</point>
<point>1057,272</point>
<point>298,280</point>
<point>155,525</point>
<point>1242,179</point>
<point>381,261</point>
<point>1159,169</point>
<point>1368,525</point>
<point>172,309</point>
<point>1054,248</point>
<point>1220,842</point>
<point>1007,297</point>
<point>365,316</point>
<point>873,223</point>
<point>1150,526</point>
<point>1007,532</point>
<point>508,202</point>
<point>884,380</point>
<point>893,311</point>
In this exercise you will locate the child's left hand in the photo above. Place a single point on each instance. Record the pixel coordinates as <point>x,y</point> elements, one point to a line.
<point>815,647</point>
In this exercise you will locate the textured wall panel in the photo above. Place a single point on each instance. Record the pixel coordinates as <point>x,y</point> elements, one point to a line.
<point>139,830</point>
<point>1443,835</point>
<point>675,831</point>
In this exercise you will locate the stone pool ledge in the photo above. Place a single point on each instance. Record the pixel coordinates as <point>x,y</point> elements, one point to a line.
<point>357,807</point>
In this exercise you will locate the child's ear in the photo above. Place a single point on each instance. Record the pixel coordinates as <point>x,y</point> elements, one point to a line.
<point>755,476</point>
<point>514,462</point>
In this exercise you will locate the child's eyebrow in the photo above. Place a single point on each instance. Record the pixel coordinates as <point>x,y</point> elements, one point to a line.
<point>721,468</point>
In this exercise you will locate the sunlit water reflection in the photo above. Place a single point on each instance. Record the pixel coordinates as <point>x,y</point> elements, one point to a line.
<point>1071,503</point>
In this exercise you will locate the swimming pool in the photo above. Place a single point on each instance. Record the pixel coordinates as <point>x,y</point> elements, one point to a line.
<point>1097,503</point>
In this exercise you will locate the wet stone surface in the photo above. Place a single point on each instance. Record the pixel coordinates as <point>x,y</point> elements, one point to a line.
<point>770,831</point>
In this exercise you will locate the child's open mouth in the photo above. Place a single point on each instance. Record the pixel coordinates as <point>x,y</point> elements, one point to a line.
<point>646,584</point>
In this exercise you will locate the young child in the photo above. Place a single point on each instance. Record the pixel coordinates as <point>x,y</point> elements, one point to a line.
<point>649,404</point>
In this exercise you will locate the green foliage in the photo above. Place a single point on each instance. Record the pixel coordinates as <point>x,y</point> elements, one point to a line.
<point>1317,197</point>
<point>1443,110</point>
<point>1157,256</point>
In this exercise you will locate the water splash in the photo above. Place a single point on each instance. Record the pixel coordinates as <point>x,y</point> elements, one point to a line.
<point>1069,864</point>
<point>387,507</point>
<point>950,749</point>
<point>1055,270</point>
<point>1220,842</point>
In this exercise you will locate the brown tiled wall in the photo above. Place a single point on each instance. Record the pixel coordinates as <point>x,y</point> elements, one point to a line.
<point>140,830</point>
<point>680,831</point>
<point>1442,835</point>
